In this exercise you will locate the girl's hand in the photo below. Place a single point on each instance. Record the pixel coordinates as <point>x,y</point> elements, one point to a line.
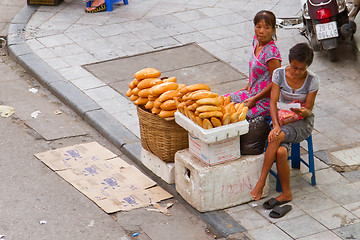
<point>274,133</point>
<point>250,102</point>
<point>304,112</point>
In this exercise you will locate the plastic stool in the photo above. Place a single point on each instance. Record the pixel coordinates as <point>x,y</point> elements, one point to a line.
<point>296,160</point>
<point>109,4</point>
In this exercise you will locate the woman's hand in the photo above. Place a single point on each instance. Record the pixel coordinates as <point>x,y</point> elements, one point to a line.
<point>250,102</point>
<point>274,133</point>
<point>304,112</point>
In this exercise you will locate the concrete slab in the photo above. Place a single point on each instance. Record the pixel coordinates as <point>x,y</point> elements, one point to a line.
<point>166,60</point>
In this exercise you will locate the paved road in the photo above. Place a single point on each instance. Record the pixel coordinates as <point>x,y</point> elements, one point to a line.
<point>64,38</point>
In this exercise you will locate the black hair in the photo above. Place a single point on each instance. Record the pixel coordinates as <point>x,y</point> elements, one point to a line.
<point>301,52</point>
<point>269,18</point>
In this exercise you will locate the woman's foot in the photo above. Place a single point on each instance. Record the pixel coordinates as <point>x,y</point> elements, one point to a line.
<point>257,192</point>
<point>284,197</point>
<point>96,6</point>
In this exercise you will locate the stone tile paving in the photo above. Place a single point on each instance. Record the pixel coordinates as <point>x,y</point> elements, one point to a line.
<point>67,38</point>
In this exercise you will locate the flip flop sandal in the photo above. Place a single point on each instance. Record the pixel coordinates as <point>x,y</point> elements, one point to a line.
<point>273,202</point>
<point>279,212</point>
<point>100,8</point>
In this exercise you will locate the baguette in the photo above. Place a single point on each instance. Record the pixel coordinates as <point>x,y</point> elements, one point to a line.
<point>134,97</point>
<point>226,119</point>
<point>157,103</point>
<point>193,106</point>
<point>207,124</point>
<point>133,83</point>
<point>240,107</point>
<point>243,113</point>
<point>205,94</point>
<point>168,105</point>
<point>227,100</point>
<point>135,91</point>
<point>211,114</point>
<point>195,87</point>
<point>129,92</point>
<point>147,73</point>
<point>170,79</point>
<point>208,108</point>
<point>149,82</point>
<point>144,93</point>
<point>215,122</point>
<point>234,117</point>
<point>141,101</point>
<point>198,121</point>
<point>165,113</point>
<point>149,104</point>
<point>163,87</point>
<point>168,95</point>
<point>155,110</point>
<point>209,101</point>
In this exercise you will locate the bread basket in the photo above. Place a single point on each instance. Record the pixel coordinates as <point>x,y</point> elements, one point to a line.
<point>161,137</point>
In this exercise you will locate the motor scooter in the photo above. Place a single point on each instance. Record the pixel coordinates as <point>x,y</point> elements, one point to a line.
<point>325,22</point>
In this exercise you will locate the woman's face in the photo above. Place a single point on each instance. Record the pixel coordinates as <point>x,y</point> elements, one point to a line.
<point>298,69</point>
<point>263,31</point>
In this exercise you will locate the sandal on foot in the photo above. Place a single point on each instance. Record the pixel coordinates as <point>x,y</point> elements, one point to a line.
<point>279,212</point>
<point>99,8</point>
<point>273,202</point>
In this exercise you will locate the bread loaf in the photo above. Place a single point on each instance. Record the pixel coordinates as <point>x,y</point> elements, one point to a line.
<point>209,101</point>
<point>144,92</point>
<point>163,87</point>
<point>170,79</point>
<point>141,101</point>
<point>243,113</point>
<point>234,117</point>
<point>155,110</point>
<point>129,92</point>
<point>203,94</point>
<point>208,108</point>
<point>165,114</point>
<point>211,114</point>
<point>147,73</point>
<point>168,95</point>
<point>207,124</point>
<point>149,82</point>
<point>134,97</point>
<point>215,122</point>
<point>149,104</point>
<point>168,105</point>
<point>195,87</point>
<point>225,119</point>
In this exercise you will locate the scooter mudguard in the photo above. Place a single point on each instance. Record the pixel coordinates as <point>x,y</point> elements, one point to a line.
<point>329,43</point>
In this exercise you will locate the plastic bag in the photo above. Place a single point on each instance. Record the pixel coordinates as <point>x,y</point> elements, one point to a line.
<point>254,141</point>
<point>287,116</point>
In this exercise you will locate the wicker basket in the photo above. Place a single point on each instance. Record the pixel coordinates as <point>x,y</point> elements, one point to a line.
<point>161,137</point>
<point>44,2</point>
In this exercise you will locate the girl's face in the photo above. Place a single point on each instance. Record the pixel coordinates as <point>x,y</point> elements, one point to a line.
<point>298,69</point>
<point>263,31</point>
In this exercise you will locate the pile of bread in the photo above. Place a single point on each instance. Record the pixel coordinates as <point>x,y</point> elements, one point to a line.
<point>165,96</point>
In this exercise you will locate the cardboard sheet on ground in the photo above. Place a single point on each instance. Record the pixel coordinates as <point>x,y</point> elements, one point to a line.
<point>103,177</point>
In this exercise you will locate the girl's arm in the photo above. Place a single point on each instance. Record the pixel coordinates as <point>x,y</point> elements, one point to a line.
<point>272,65</point>
<point>274,98</point>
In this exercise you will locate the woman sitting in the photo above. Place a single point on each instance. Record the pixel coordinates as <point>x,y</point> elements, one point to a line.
<point>265,58</point>
<point>290,83</point>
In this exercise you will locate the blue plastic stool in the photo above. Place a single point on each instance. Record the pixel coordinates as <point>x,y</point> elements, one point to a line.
<point>109,4</point>
<point>296,159</point>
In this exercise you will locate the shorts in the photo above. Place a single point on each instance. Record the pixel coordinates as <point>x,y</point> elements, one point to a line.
<point>298,131</point>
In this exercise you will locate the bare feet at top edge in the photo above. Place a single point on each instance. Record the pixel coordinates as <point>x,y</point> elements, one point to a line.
<point>95,4</point>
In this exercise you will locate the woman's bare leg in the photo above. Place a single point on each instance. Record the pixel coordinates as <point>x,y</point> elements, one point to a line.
<point>269,158</point>
<point>283,170</point>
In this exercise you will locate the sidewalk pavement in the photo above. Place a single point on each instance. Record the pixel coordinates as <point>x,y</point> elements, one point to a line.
<point>54,42</point>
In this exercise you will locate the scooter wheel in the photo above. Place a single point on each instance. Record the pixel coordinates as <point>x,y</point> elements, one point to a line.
<point>332,54</point>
